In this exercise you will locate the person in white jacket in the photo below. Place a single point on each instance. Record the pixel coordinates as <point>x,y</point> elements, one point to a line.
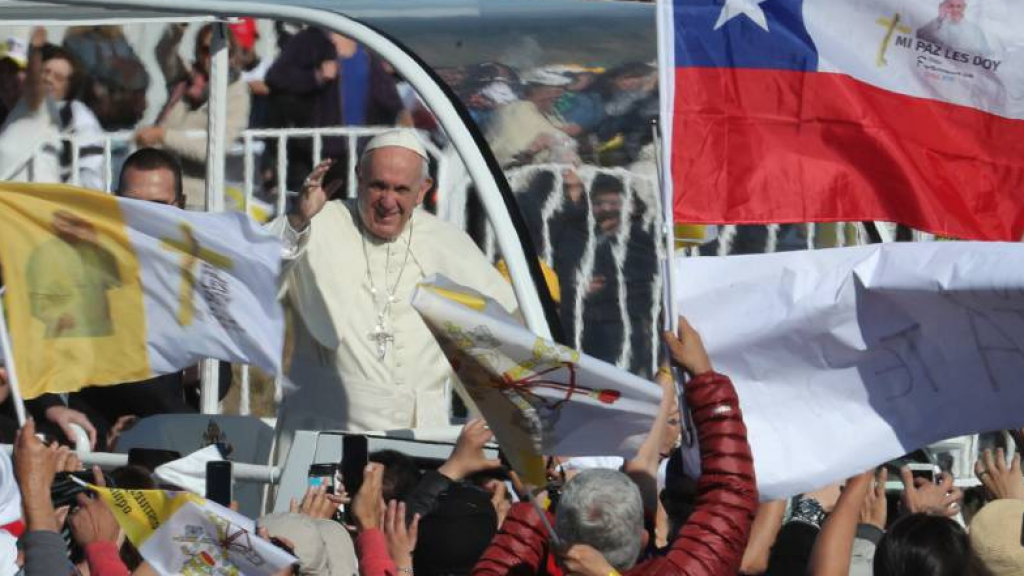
<point>31,144</point>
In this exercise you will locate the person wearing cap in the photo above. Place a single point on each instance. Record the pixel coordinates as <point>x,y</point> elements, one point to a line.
<point>187,109</point>
<point>532,130</point>
<point>364,359</point>
<point>13,60</point>
<point>253,69</point>
<point>31,149</point>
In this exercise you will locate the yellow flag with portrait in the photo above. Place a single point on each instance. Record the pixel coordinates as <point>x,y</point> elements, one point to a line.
<point>103,290</point>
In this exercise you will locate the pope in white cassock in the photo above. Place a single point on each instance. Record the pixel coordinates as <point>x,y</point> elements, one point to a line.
<point>363,358</point>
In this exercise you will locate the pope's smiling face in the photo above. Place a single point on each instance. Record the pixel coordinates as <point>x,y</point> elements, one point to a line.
<point>955,9</point>
<point>392,182</point>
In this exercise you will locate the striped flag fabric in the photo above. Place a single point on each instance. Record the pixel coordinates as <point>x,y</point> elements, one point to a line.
<point>102,290</point>
<point>909,111</point>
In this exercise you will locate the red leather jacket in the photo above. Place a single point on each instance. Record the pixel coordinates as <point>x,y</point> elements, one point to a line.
<point>713,539</point>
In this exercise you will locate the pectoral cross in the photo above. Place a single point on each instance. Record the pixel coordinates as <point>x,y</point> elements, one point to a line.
<point>383,337</point>
<point>192,252</point>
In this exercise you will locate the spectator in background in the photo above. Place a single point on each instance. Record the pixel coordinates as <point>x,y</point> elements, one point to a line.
<point>325,79</point>
<point>114,78</point>
<point>253,68</point>
<point>488,86</point>
<point>630,97</point>
<point>31,148</point>
<point>187,108</point>
<point>582,108</point>
<point>13,59</point>
<point>531,130</point>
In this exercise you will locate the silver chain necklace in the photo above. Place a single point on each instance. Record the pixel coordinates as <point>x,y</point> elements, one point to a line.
<point>380,334</point>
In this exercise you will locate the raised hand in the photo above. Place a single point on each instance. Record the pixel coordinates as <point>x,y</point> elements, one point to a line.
<point>317,503</point>
<point>368,504</point>
<point>875,510</point>
<point>92,521</point>
<point>312,197</point>
<point>1000,480</point>
<point>401,537</point>
<point>920,495</point>
<point>64,417</point>
<point>468,457</point>
<point>687,349</point>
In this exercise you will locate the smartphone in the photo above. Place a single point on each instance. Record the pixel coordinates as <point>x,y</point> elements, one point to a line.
<point>929,472</point>
<point>354,456</point>
<point>219,482</point>
<point>151,458</point>
<point>322,475</point>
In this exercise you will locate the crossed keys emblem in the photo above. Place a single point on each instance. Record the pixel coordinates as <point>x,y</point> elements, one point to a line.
<point>230,538</point>
<point>539,380</point>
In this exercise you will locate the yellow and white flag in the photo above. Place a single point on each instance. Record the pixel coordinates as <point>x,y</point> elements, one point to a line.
<point>539,397</point>
<point>103,290</point>
<point>181,533</point>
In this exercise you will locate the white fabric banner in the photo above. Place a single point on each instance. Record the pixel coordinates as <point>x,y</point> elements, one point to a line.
<point>846,358</point>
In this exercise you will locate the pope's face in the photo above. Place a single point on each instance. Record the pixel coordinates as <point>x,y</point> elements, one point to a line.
<point>391,185</point>
<point>955,9</point>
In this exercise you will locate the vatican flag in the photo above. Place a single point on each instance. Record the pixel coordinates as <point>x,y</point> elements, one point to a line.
<point>181,533</point>
<point>539,397</point>
<point>103,290</point>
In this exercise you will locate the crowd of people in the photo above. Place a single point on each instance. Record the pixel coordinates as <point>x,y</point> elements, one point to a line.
<point>473,515</point>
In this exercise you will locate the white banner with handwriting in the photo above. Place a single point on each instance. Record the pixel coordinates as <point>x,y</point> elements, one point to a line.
<point>849,357</point>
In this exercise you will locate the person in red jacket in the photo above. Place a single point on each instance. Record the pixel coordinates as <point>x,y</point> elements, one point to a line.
<point>712,541</point>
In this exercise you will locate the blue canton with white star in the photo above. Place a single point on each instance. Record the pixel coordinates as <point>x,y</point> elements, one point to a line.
<point>740,42</point>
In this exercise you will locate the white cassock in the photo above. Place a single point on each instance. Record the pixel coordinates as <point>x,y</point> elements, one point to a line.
<point>339,378</point>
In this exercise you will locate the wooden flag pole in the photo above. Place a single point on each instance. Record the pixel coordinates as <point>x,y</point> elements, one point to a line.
<point>12,373</point>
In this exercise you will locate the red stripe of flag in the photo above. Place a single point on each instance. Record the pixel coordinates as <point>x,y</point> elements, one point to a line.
<point>771,146</point>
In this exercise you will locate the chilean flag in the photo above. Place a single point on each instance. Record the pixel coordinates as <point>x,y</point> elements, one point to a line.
<point>909,111</point>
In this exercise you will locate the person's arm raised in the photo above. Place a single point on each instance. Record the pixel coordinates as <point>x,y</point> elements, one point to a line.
<point>833,546</point>
<point>35,90</point>
<point>716,533</point>
<point>767,523</point>
<point>643,469</point>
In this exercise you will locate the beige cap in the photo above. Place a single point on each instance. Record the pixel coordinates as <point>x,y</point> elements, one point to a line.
<point>323,547</point>
<point>400,138</point>
<point>996,536</point>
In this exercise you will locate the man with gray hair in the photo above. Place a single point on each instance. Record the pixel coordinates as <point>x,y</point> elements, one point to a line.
<point>363,358</point>
<point>602,509</point>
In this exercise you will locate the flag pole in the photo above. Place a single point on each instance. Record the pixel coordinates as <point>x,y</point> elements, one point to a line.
<point>12,373</point>
<point>668,235</point>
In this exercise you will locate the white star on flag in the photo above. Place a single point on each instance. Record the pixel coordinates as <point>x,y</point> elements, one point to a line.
<point>733,8</point>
